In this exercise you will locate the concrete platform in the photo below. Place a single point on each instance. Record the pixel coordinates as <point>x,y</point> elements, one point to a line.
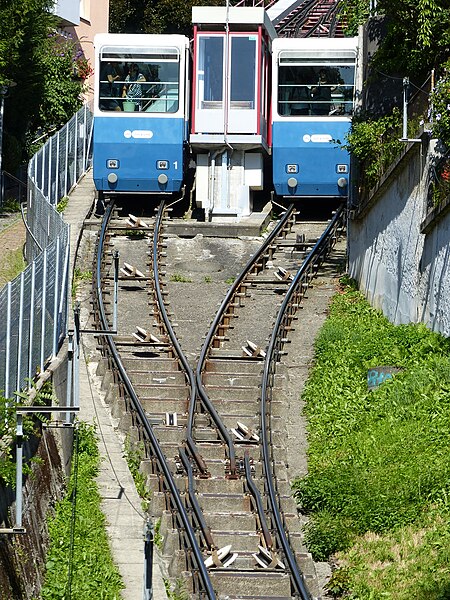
<point>251,226</point>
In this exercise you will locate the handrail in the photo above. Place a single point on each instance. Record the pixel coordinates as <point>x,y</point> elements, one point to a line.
<point>175,494</point>
<point>14,178</point>
<point>270,359</point>
<point>206,344</point>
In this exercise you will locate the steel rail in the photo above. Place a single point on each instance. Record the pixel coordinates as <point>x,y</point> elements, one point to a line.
<point>259,504</point>
<point>175,494</point>
<point>269,369</point>
<point>215,324</point>
<point>326,19</point>
<point>299,17</point>
<point>189,373</point>
<point>206,530</point>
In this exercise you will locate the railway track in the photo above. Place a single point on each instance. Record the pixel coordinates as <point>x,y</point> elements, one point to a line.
<point>313,18</point>
<point>209,421</point>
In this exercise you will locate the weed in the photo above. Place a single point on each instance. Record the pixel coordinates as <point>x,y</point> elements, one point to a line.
<point>78,277</point>
<point>136,234</point>
<point>10,206</point>
<point>133,456</point>
<point>179,590</point>
<point>208,279</point>
<point>230,280</point>
<point>178,278</point>
<point>62,204</point>
<point>157,537</point>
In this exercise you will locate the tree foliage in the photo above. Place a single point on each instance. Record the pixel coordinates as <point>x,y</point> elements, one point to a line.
<point>156,16</point>
<point>41,67</point>
<point>418,36</point>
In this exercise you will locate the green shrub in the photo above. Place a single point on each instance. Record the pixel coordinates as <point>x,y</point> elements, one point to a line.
<point>375,142</point>
<point>439,113</point>
<point>377,458</point>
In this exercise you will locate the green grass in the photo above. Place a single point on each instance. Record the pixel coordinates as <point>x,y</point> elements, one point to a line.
<point>11,264</point>
<point>78,517</point>
<point>379,465</point>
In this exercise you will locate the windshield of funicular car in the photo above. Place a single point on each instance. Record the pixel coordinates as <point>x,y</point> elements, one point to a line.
<point>133,80</point>
<point>307,86</point>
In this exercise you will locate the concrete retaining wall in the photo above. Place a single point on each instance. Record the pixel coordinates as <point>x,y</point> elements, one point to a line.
<point>401,259</point>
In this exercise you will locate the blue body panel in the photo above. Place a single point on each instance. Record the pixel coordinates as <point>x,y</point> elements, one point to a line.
<point>137,144</point>
<point>307,145</point>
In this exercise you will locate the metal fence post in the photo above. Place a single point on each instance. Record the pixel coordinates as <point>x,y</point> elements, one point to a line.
<point>8,340</point>
<point>66,170</point>
<point>75,148</point>
<point>19,462</point>
<point>148,560</point>
<point>57,170</point>
<point>20,333</point>
<point>69,389</point>
<point>56,299</point>
<point>43,308</point>
<point>49,172</point>
<point>31,334</point>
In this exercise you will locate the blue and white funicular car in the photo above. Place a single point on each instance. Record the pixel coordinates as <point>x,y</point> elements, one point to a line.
<point>312,105</point>
<point>140,113</point>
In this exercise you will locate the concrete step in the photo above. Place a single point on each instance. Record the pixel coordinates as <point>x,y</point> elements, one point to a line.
<point>240,541</point>
<point>228,404</point>
<point>160,391</point>
<point>158,378</point>
<point>242,521</point>
<point>211,450</point>
<point>155,364</point>
<point>159,406</point>
<point>224,502</point>
<point>220,486</point>
<point>263,584</point>
<point>250,367</point>
<point>230,379</point>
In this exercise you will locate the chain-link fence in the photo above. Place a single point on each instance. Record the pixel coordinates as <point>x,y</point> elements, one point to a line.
<point>33,307</point>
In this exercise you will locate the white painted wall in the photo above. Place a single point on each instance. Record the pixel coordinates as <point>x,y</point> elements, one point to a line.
<point>402,271</point>
<point>68,10</point>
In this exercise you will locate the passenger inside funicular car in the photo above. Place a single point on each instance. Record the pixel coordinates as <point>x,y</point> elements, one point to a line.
<point>315,89</point>
<point>148,85</point>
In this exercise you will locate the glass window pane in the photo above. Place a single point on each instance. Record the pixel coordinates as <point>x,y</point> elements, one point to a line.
<point>210,72</point>
<point>315,90</point>
<point>150,84</point>
<point>243,69</point>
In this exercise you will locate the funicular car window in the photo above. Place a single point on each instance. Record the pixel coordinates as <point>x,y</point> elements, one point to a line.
<point>135,81</point>
<point>310,85</point>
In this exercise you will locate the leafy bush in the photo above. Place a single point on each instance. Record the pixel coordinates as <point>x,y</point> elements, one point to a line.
<point>376,144</point>
<point>439,112</point>
<point>377,458</point>
<point>30,426</point>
